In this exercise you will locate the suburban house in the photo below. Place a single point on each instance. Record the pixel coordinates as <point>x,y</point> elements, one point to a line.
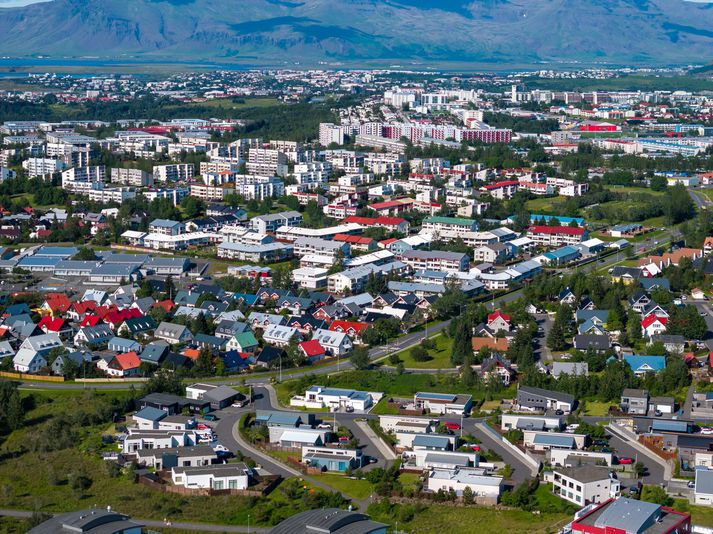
<point>583,485</point>
<point>173,333</point>
<point>537,399</point>
<point>234,476</point>
<point>443,403</point>
<point>334,343</point>
<point>635,401</point>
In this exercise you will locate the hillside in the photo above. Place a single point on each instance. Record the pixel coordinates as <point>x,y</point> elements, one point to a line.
<point>365,31</point>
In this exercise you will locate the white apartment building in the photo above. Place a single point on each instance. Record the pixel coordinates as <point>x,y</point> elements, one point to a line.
<point>267,161</point>
<point>252,187</point>
<point>175,172</point>
<point>42,166</point>
<point>331,133</point>
<point>110,194</point>
<point>132,177</point>
<point>312,278</point>
<point>583,485</point>
<point>435,260</point>
<point>323,247</point>
<point>175,194</point>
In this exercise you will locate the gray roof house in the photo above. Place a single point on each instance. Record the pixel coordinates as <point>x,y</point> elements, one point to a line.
<point>173,333</point>
<point>537,399</point>
<point>570,368</point>
<point>94,521</point>
<point>93,335</point>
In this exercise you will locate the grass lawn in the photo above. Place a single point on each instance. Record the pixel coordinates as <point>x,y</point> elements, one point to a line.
<point>284,455</point>
<point>227,103</point>
<point>472,519</point>
<point>596,409</point>
<point>490,405</point>
<point>705,192</point>
<point>409,480</point>
<point>440,355</point>
<point>544,206</point>
<point>700,515</point>
<point>624,189</point>
<point>382,408</point>
<point>359,489</point>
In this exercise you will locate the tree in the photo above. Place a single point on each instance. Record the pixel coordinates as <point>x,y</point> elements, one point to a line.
<point>85,254</point>
<point>169,287</point>
<point>687,322</point>
<point>658,183</point>
<point>419,354</point>
<point>555,339</point>
<point>467,377</point>
<point>192,207</point>
<point>656,495</point>
<point>360,358</point>
<point>462,343</point>
<point>467,495</point>
<point>204,362</point>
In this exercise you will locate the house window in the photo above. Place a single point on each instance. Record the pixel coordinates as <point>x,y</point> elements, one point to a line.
<point>218,484</point>
<point>232,484</point>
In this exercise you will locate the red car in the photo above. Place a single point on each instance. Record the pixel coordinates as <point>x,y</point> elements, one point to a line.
<point>344,438</point>
<point>626,461</point>
<point>476,448</point>
<point>451,426</point>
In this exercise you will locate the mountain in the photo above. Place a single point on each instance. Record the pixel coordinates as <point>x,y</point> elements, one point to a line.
<point>274,32</point>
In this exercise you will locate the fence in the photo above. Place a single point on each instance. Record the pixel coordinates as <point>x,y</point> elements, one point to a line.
<point>655,445</point>
<point>25,376</point>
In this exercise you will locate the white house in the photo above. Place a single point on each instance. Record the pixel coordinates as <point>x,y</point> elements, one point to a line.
<point>583,485</point>
<point>218,477</point>
<point>482,484</point>
<point>280,335</point>
<point>335,343</point>
<point>703,492</point>
<point>30,357</point>
<point>336,398</point>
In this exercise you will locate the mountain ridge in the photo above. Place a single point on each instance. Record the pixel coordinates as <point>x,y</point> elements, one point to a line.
<point>274,32</point>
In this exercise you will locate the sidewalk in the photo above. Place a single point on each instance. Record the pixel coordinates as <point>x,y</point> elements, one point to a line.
<point>388,453</point>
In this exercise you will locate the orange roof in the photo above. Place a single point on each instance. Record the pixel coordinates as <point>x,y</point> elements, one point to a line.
<point>192,353</point>
<point>165,304</point>
<point>499,344</point>
<point>708,242</point>
<point>353,239</point>
<point>128,360</point>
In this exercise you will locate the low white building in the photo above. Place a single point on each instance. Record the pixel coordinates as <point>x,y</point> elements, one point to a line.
<point>218,477</point>
<point>336,398</point>
<point>478,480</point>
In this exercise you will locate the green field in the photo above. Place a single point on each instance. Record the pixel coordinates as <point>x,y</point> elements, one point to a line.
<point>358,489</point>
<point>597,409</point>
<point>228,104</point>
<point>440,355</point>
<point>544,206</point>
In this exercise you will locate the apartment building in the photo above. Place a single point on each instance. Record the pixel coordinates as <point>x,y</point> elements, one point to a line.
<point>436,260</point>
<point>132,177</point>
<point>557,236</point>
<point>323,247</point>
<point>267,161</point>
<point>331,133</point>
<point>583,485</point>
<point>42,166</point>
<point>449,227</point>
<point>269,223</point>
<point>212,193</point>
<point>252,187</point>
<point>175,172</point>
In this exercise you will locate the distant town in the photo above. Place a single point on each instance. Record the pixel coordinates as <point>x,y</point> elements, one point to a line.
<point>356,302</point>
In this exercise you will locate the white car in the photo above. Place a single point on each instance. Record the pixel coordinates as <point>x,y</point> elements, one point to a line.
<point>707,431</point>
<point>220,448</point>
<point>324,426</point>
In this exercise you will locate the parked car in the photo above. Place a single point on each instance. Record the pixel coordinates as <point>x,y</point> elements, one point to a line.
<point>344,439</point>
<point>450,425</point>
<point>324,426</point>
<point>706,431</point>
<point>658,413</point>
<point>626,461</point>
<point>210,417</point>
<point>691,484</point>
<point>559,412</point>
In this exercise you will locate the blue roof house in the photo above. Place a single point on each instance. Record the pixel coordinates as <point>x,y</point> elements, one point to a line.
<point>645,364</point>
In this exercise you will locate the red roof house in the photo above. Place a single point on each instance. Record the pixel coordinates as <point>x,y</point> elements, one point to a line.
<point>312,349</point>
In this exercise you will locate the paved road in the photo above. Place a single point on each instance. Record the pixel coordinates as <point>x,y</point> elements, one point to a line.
<point>704,306</point>
<point>521,470</point>
<point>655,471</point>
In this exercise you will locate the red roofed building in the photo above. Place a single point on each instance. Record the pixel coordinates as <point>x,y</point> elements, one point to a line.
<point>115,318</point>
<point>653,325</point>
<point>55,325</point>
<point>313,350</point>
<point>557,236</point>
<point>393,224</point>
<point>79,309</point>
<point>90,320</point>
<point>57,303</point>
<point>499,322</point>
<point>357,242</point>
<point>392,207</point>
<point>167,305</point>
<point>126,364</point>
<point>502,190</point>
<point>351,328</point>
<point>386,242</point>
